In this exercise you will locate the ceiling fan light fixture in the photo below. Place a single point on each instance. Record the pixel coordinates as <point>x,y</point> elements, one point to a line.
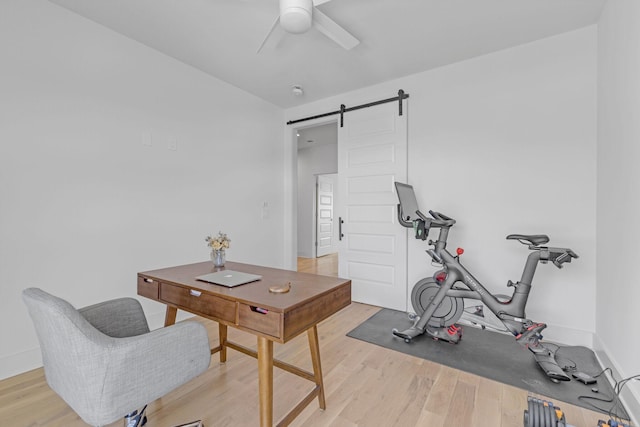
<point>296,15</point>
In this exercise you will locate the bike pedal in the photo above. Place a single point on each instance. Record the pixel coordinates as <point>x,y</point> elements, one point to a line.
<point>450,334</point>
<point>455,330</point>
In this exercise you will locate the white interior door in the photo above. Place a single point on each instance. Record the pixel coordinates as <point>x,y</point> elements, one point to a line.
<point>372,155</point>
<point>325,242</point>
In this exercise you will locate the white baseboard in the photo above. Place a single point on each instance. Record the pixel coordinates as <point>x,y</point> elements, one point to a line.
<point>568,336</point>
<point>561,335</point>
<point>15,364</point>
<point>630,395</point>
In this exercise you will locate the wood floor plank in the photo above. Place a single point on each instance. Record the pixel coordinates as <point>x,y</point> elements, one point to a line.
<point>461,406</point>
<point>488,401</point>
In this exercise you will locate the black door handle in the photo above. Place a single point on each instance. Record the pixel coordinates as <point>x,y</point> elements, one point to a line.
<point>340,222</point>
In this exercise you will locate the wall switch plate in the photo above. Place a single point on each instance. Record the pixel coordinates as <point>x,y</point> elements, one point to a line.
<point>146,139</point>
<point>173,144</point>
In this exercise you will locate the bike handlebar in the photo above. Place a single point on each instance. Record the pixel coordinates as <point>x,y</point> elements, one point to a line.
<point>403,222</point>
<point>441,219</point>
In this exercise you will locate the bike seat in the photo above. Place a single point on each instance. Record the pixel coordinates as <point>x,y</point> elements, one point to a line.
<point>532,239</point>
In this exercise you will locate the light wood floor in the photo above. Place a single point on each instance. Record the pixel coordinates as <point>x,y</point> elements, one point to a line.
<point>366,385</point>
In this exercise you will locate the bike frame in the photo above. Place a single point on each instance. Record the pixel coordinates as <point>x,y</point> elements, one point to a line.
<point>511,313</point>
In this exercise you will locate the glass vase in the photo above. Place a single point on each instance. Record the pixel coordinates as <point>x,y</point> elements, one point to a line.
<point>218,257</point>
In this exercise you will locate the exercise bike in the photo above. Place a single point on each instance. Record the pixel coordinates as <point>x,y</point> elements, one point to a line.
<point>439,300</point>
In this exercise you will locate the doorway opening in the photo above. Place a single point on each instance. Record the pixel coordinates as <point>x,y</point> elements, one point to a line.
<point>317,167</point>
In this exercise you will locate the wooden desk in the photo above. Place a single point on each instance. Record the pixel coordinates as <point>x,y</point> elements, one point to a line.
<point>252,308</point>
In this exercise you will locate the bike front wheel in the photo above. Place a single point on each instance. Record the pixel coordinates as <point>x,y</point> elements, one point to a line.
<point>448,312</point>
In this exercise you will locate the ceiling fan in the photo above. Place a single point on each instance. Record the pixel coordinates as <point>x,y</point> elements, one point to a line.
<point>298,16</point>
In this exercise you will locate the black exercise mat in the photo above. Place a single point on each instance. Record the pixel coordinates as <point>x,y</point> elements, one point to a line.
<point>492,355</point>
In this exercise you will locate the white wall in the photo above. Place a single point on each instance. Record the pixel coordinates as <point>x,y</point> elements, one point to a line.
<point>84,205</point>
<point>618,204</point>
<point>506,143</point>
<point>314,160</point>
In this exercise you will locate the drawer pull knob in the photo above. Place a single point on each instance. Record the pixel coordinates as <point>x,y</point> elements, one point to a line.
<point>148,280</point>
<point>259,310</point>
<point>195,293</point>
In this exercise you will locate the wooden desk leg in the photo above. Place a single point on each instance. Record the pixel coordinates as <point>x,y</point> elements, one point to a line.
<point>265,381</point>
<point>170,316</point>
<point>222,335</point>
<point>315,360</point>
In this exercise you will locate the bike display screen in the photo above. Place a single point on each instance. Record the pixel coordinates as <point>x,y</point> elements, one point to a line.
<point>408,202</point>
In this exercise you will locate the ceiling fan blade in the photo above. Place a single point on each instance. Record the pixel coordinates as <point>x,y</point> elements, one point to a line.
<point>275,25</point>
<point>319,2</point>
<point>331,29</point>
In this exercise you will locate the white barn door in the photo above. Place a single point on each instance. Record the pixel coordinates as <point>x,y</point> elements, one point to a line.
<point>372,155</point>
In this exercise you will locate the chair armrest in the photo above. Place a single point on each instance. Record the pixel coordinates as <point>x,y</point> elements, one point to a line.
<point>144,368</point>
<point>118,318</point>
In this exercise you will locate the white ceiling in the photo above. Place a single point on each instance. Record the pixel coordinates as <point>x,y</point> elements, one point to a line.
<point>397,37</point>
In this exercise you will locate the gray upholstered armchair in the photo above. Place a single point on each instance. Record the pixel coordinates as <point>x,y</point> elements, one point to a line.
<point>102,359</point>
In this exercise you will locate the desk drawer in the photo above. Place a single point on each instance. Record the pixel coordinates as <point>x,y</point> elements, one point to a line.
<point>257,319</point>
<point>199,302</point>
<point>148,288</point>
